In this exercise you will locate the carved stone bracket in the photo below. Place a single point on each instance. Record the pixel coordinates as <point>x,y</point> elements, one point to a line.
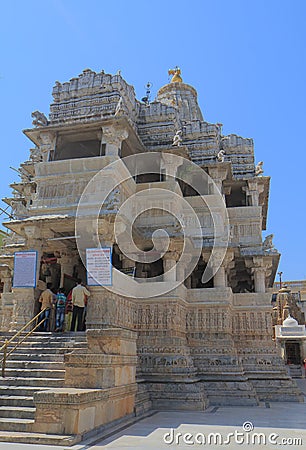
<point>114,136</point>
<point>47,144</point>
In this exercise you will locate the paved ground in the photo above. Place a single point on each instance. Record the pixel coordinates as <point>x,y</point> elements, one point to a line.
<point>283,425</point>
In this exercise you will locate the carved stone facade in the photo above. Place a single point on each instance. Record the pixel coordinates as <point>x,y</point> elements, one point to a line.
<point>203,341</point>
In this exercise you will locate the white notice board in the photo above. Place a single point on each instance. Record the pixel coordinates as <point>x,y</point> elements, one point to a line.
<point>25,267</point>
<point>99,266</point>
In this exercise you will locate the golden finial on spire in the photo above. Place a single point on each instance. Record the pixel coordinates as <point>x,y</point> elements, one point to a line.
<point>176,75</point>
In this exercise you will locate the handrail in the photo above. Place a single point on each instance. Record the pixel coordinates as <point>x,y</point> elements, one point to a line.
<point>7,342</point>
<point>23,328</point>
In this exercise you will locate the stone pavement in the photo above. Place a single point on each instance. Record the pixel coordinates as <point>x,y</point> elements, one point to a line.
<point>168,430</point>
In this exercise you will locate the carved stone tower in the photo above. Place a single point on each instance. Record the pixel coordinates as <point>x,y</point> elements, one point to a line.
<point>202,340</point>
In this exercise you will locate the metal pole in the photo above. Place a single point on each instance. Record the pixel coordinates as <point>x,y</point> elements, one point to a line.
<point>4,358</point>
<point>280,279</point>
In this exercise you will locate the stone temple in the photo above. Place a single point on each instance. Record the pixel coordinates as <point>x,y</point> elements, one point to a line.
<point>161,337</point>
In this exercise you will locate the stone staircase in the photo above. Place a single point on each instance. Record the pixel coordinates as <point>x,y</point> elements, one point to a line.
<point>36,365</point>
<point>295,370</point>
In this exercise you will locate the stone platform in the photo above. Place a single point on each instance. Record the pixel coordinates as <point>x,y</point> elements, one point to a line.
<point>287,420</point>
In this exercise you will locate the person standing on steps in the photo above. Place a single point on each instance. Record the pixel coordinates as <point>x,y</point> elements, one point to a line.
<point>46,300</point>
<point>78,301</point>
<point>60,310</point>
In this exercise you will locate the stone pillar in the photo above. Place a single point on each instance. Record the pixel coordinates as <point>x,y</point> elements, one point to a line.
<point>47,144</point>
<point>260,266</point>
<point>169,263</point>
<point>218,183</point>
<point>219,278</point>
<point>170,163</point>
<point>67,262</point>
<point>6,277</point>
<point>7,306</point>
<point>24,298</point>
<point>219,264</point>
<point>218,173</point>
<point>252,190</point>
<point>114,137</point>
<point>259,279</point>
<point>36,244</point>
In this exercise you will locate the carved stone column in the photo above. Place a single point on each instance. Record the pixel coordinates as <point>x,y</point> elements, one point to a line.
<point>218,173</point>
<point>220,278</point>
<point>252,190</point>
<point>67,262</point>
<point>170,164</point>
<point>24,298</point>
<point>183,268</point>
<point>101,308</point>
<point>34,242</point>
<point>219,266</point>
<point>114,137</point>
<point>6,277</point>
<point>169,263</point>
<point>47,144</point>
<point>258,271</point>
<point>259,279</point>
<point>7,307</point>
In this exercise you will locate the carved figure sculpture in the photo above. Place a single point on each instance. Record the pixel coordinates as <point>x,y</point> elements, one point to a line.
<point>40,120</point>
<point>220,156</point>
<point>177,139</point>
<point>35,155</point>
<point>119,108</point>
<point>268,245</point>
<point>259,169</point>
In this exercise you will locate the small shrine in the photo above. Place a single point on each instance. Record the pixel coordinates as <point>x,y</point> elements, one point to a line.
<point>290,331</point>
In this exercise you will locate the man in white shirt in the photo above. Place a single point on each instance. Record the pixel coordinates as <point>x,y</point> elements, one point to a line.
<point>78,300</point>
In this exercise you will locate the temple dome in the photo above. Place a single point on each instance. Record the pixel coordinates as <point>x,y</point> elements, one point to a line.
<point>181,96</point>
<point>290,322</point>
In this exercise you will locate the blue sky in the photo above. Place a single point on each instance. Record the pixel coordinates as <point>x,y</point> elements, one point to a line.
<point>245,58</point>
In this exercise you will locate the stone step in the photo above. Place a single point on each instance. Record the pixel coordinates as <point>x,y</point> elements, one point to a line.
<point>43,342</point>
<point>45,350</point>
<point>47,344</point>
<point>38,438</point>
<point>11,390</point>
<point>10,424</point>
<point>17,412</point>
<point>50,357</point>
<point>46,335</point>
<point>52,344</point>
<point>34,381</point>
<point>34,373</point>
<point>16,400</point>
<point>29,364</point>
<point>36,365</point>
<point>278,393</point>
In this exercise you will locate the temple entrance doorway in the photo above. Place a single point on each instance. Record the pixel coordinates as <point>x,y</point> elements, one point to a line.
<point>293,353</point>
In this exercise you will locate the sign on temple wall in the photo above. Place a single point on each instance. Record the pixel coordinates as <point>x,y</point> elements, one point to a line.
<point>99,266</point>
<point>25,265</point>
